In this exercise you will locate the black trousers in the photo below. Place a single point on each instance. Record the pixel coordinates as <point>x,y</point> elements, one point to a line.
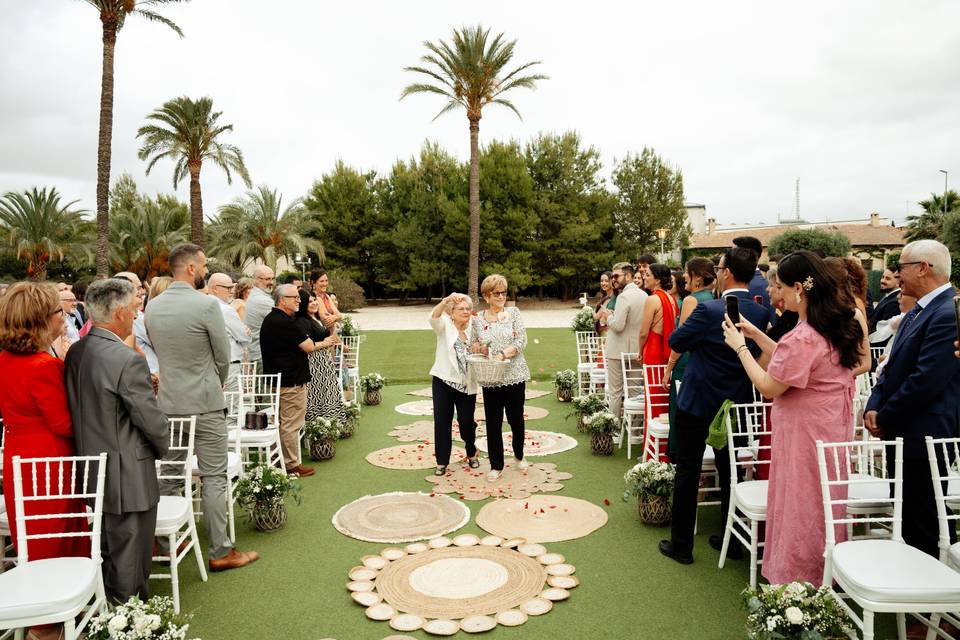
<point>126,547</point>
<point>920,525</point>
<point>445,400</point>
<point>496,401</point>
<point>690,443</point>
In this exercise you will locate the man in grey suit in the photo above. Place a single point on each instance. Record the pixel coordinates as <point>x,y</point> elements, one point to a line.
<point>190,338</point>
<point>114,410</point>
<point>623,331</point>
<point>259,304</point>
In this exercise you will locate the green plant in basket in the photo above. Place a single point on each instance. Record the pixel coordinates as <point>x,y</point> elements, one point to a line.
<point>794,611</point>
<point>352,410</point>
<point>322,429</point>
<point>601,422</point>
<point>372,382</point>
<point>583,321</point>
<point>138,620</point>
<point>347,327</point>
<point>650,478</point>
<point>564,381</point>
<point>588,404</point>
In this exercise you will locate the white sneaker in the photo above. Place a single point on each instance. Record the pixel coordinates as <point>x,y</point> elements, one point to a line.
<point>523,465</point>
<point>493,475</point>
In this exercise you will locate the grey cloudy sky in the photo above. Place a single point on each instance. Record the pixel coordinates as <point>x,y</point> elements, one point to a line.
<point>857,98</point>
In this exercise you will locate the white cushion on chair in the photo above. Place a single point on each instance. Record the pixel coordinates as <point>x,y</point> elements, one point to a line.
<point>172,512</point>
<point>45,587</point>
<point>633,405</point>
<point>752,496</point>
<point>585,366</point>
<point>234,464</point>
<point>878,490</point>
<point>258,437</point>
<point>888,571</point>
<point>657,429</point>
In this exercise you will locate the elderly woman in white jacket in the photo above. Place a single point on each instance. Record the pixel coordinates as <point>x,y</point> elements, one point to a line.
<point>452,386</point>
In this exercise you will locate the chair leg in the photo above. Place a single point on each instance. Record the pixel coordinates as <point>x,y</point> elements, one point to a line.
<point>726,535</point>
<point>174,574</point>
<point>754,535</point>
<point>931,632</point>
<point>230,513</point>
<point>867,624</point>
<point>69,629</point>
<point>19,633</point>
<point>197,552</point>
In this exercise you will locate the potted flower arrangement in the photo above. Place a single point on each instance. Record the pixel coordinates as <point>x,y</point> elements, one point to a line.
<point>584,406</point>
<point>347,327</point>
<point>371,384</point>
<point>601,426</point>
<point>583,321</point>
<point>352,421</point>
<point>564,381</point>
<point>138,620</point>
<point>261,493</point>
<point>322,435</point>
<point>652,483</point>
<point>794,611</point>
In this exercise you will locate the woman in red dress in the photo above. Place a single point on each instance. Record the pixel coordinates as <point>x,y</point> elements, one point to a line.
<point>659,321</point>
<point>36,420</point>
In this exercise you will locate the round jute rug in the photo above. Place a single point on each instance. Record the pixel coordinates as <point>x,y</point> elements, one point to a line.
<point>472,484</point>
<point>529,394</point>
<point>422,431</point>
<point>535,443</point>
<point>400,517</point>
<point>425,408</point>
<point>541,518</point>
<point>411,456</point>
<point>462,584</point>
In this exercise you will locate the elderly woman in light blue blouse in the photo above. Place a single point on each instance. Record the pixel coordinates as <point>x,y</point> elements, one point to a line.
<point>500,332</point>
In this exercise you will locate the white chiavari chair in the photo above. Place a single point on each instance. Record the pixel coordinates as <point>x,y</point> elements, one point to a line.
<point>260,394</point>
<point>584,365</point>
<point>631,429</point>
<point>656,411</point>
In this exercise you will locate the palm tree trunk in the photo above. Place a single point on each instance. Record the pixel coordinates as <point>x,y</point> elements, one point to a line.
<point>196,205</point>
<point>473,270</point>
<point>104,143</point>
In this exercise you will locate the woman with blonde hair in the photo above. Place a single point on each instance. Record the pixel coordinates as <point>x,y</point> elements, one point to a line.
<point>500,334</point>
<point>240,295</point>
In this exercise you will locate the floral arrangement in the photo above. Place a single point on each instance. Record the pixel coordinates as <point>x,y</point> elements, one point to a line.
<point>352,409</point>
<point>650,478</point>
<point>583,321</point>
<point>265,486</point>
<point>565,379</point>
<point>347,327</point>
<point>322,429</point>
<point>138,620</point>
<point>588,404</point>
<point>601,422</point>
<point>372,382</point>
<point>797,610</point>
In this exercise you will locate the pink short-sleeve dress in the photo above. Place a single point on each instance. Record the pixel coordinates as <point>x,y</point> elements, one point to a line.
<point>817,406</point>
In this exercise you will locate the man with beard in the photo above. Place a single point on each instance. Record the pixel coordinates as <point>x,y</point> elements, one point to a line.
<point>189,335</point>
<point>623,330</point>
<point>889,307</point>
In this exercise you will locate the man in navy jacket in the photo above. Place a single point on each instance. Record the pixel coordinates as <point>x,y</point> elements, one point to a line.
<point>918,392</point>
<point>713,375</point>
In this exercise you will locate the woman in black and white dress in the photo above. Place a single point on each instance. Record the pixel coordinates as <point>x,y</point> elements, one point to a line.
<point>323,390</point>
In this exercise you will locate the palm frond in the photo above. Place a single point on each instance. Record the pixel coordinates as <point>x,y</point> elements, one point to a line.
<point>156,17</point>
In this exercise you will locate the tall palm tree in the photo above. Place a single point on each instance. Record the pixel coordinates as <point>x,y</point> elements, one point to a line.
<point>253,227</point>
<point>142,235</point>
<point>187,132</point>
<point>40,229</point>
<point>113,15</point>
<point>929,224</point>
<point>470,73</point>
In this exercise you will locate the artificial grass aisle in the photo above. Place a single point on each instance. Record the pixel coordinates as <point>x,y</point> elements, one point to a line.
<point>628,590</point>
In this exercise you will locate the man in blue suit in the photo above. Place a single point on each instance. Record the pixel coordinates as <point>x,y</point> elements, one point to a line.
<point>918,392</point>
<point>713,375</point>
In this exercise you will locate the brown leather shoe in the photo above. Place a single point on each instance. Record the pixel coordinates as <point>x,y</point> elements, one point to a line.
<point>233,560</point>
<point>304,472</point>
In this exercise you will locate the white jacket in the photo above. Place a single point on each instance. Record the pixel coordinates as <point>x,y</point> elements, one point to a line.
<point>445,362</point>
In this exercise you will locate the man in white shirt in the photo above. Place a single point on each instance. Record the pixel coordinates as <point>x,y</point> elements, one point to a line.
<point>623,331</point>
<point>68,302</point>
<point>221,286</point>
<point>259,304</point>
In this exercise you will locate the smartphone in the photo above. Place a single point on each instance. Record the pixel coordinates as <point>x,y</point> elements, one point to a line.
<point>733,309</point>
<point>758,300</point>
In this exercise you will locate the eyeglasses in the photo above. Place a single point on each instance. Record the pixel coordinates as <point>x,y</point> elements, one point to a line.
<point>499,294</point>
<point>901,265</point>
<point>461,309</point>
<point>225,286</point>
<point>266,279</point>
<point>289,296</point>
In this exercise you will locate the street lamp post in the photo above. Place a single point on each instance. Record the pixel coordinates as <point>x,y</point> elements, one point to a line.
<point>304,262</point>
<point>945,176</point>
<point>662,234</point>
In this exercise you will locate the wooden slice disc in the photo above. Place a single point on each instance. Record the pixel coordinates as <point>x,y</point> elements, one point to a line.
<point>362,573</point>
<point>532,550</point>
<point>555,594</point>
<point>392,553</point>
<point>491,541</point>
<point>511,618</point>
<point>374,562</point>
<point>406,622</point>
<point>513,543</point>
<point>536,606</point>
<point>416,547</point>
<point>366,598</point>
<point>394,636</point>
<point>550,558</point>
<point>441,627</point>
<point>561,570</point>
<point>440,542</point>
<point>360,585</point>
<point>563,582</point>
<point>477,624</point>
<point>381,611</point>
<point>466,540</point>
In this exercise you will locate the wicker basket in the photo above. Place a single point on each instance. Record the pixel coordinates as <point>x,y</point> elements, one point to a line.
<point>601,444</point>
<point>269,518</point>
<point>653,510</point>
<point>322,449</point>
<point>486,371</point>
<point>347,429</point>
<point>372,397</point>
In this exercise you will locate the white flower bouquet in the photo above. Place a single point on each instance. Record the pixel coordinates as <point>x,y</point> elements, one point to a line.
<point>372,382</point>
<point>138,620</point>
<point>794,611</point>
<point>583,321</point>
<point>265,486</point>
<point>601,422</point>
<point>588,404</point>
<point>322,429</point>
<point>650,478</point>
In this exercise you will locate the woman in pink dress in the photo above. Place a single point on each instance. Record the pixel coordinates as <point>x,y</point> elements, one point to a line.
<point>810,376</point>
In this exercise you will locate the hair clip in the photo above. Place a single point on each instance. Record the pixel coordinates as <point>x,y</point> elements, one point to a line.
<point>808,283</point>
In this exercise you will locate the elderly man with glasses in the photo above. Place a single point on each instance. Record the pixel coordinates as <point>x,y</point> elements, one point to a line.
<point>221,287</point>
<point>259,304</point>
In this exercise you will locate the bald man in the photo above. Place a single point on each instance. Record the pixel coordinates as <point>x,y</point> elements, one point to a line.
<point>222,287</point>
<point>68,302</point>
<point>259,304</point>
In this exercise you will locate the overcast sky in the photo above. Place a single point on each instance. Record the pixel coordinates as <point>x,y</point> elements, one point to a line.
<point>859,99</point>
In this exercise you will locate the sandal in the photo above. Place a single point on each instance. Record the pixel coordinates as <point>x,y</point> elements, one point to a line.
<point>474,462</point>
<point>441,470</point>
